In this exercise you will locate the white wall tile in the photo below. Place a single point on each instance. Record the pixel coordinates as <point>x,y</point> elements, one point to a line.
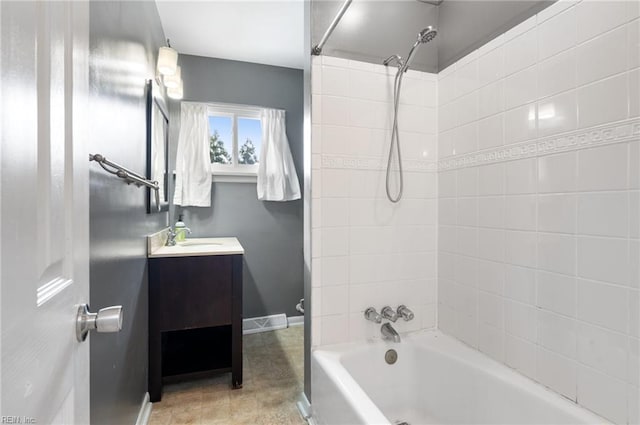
<point>491,341</point>
<point>557,34</point>
<point>611,92</point>
<point>557,173</point>
<point>467,181</point>
<point>491,66</point>
<point>520,124</point>
<point>491,131</point>
<point>520,88</point>
<point>603,214</point>
<point>334,270</point>
<point>334,300</point>
<point>492,98</point>
<point>633,46</point>
<point>521,52</point>
<point>557,333</point>
<point>335,241</point>
<point>491,211</point>
<point>335,81</point>
<point>634,87</point>
<point>604,395</point>
<point>491,179</point>
<point>557,253</point>
<point>596,17</point>
<point>334,330</point>
<point>557,114</point>
<point>335,183</point>
<point>603,304</point>
<point>557,213</point>
<point>521,212</point>
<point>521,355</point>
<point>602,56</point>
<point>603,259</point>
<point>467,241</point>
<point>520,284</point>
<point>603,168</point>
<point>335,110</point>
<point>557,293</point>
<point>603,350</point>
<point>491,243</point>
<point>467,212</point>
<point>557,372</point>
<point>557,74</point>
<point>335,212</point>
<point>521,248</point>
<point>520,320</point>
<point>466,78</point>
<point>521,176</point>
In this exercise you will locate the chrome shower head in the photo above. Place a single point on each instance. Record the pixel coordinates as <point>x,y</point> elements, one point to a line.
<point>427,34</point>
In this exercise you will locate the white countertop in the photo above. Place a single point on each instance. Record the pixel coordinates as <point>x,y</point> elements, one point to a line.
<point>195,247</point>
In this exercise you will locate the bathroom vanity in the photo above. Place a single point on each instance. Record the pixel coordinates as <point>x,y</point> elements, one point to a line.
<point>195,311</point>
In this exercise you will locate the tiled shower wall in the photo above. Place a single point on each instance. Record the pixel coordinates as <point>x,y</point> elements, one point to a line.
<point>539,214</point>
<point>367,251</point>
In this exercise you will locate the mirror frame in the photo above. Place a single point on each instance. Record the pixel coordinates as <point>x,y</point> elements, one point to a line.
<point>155,98</point>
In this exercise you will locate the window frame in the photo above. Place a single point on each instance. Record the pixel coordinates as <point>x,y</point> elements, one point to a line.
<point>234,172</point>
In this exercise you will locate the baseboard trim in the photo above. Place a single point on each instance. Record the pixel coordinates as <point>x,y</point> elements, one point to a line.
<point>304,408</point>
<point>273,322</point>
<point>145,411</point>
<point>295,320</point>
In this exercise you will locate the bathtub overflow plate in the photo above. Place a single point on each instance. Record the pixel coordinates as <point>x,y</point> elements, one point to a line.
<point>391,356</point>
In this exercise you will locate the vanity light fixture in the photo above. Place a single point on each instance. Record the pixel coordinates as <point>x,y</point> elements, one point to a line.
<point>176,92</point>
<point>167,60</point>
<point>173,81</point>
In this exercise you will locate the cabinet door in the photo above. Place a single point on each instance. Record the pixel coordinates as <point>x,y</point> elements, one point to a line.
<point>191,292</point>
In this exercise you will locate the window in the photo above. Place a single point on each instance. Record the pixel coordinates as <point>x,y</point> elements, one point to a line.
<point>235,140</point>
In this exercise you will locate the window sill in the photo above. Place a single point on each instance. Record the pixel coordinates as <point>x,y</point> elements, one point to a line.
<point>227,177</point>
<point>221,177</point>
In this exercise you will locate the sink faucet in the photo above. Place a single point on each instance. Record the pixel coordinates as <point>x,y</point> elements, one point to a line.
<point>171,237</point>
<point>388,333</point>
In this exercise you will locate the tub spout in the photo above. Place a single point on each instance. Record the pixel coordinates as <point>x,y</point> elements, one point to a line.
<point>389,333</point>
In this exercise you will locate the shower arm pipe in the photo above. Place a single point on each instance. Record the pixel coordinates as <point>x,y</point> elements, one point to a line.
<point>317,49</point>
<point>126,174</point>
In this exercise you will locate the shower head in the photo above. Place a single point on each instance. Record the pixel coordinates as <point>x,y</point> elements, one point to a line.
<point>424,36</point>
<point>427,34</point>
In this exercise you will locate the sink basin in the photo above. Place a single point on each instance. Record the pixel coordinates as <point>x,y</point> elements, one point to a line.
<point>193,247</point>
<point>198,243</point>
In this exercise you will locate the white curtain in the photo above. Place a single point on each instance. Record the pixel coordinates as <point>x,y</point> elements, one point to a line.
<point>277,178</point>
<point>193,169</point>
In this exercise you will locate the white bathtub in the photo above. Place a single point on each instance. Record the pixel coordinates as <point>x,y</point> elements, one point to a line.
<point>436,380</point>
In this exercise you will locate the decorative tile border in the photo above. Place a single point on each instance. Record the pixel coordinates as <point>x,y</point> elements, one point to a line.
<point>375,163</point>
<point>618,132</point>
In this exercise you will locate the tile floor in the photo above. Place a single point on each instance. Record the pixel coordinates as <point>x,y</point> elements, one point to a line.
<point>273,379</point>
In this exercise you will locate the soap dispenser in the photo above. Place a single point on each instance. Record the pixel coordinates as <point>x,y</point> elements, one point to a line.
<point>181,230</point>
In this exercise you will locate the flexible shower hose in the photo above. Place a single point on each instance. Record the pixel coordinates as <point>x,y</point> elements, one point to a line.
<point>395,139</point>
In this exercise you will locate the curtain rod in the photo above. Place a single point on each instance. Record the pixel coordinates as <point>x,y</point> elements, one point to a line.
<point>231,105</point>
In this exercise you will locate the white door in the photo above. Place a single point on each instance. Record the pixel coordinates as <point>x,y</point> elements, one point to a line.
<point>44,210</point>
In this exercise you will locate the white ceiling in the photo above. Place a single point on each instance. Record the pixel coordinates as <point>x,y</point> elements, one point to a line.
<point>270,32</point>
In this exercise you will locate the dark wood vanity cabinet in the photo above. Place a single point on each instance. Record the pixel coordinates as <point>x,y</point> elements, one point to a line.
<point>195,318</point>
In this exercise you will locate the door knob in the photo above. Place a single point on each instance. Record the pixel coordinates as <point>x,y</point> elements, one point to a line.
<point>108,319</point>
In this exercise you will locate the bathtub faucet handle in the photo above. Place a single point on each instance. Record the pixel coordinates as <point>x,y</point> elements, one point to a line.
<point>389,313</point>
<point>372,315</point>
<point>405,313</point>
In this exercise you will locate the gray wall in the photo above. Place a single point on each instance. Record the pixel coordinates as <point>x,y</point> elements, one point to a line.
<point>270,232</point>
<point>125,37</point>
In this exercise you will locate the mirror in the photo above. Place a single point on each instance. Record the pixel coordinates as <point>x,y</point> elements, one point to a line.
<point>157,147</point>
